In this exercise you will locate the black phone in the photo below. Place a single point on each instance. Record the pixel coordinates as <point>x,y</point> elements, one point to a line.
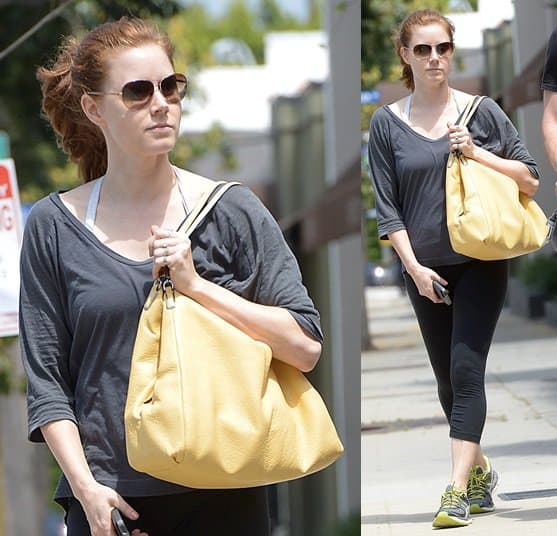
<point>442,292</point>
<point>118,523</point>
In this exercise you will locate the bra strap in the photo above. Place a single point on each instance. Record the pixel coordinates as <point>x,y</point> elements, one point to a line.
<point>407,108</point>
<point>93,204</point>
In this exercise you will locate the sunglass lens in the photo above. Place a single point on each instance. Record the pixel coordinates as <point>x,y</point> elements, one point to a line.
<point>174,86</point>
<point>137,92</point>
<point>422,51</point>
<point>444,49</point>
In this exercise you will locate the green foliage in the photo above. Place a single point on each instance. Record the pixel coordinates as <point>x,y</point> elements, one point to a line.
<point>539,273</point>
<point>8,381</point>
<point>193,31</point>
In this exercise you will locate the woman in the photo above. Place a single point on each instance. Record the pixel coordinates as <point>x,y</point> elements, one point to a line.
<point>409,146</point>
<point>88,260</point>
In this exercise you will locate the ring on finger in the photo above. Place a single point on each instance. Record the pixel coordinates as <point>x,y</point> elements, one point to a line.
<point>165,251</point>
<point>165,261</point>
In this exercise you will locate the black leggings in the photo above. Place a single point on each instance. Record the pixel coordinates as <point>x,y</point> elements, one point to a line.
<point>231,512</point>
<point>458,337</point>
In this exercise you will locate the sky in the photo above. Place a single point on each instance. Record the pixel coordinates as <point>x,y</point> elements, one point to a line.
<point>217,7</point>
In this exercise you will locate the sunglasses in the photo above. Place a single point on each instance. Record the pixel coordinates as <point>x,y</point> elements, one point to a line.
<point>139,92</point>
<point>423,51</point>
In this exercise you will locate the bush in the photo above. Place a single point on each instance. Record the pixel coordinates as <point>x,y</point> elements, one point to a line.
<point>539,273</point>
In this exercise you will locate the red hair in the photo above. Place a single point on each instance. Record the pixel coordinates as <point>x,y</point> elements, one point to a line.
<point>422,17</point>
<point>80,66</point>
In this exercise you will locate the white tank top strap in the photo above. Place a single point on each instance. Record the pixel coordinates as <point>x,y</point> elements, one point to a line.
<point>407,108</point>
<point>93,203</point>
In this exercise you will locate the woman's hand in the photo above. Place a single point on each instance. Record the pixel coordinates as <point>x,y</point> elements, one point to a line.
<point>423,278</point>
<point>173,250</point>
<point>460,139</point>
<point>97,502</point>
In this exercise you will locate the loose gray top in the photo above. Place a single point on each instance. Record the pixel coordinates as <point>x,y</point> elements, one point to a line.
<point>408,173</point>
<point>81,301</point>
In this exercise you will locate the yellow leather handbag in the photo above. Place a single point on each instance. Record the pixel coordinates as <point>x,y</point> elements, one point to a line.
<point>209,407</point>
<point>487,217</point>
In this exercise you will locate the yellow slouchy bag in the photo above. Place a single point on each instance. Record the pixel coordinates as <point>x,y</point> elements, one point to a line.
<point>209,407</point>
<point>487,217</point>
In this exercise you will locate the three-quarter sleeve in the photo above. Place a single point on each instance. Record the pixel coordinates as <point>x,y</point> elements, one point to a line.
<point>266,270</point>
<point>383,176</point>
<point>45,339</point>
<point>498,135</point>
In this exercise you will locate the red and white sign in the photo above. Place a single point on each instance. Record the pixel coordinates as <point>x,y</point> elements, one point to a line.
<point>10,244</point>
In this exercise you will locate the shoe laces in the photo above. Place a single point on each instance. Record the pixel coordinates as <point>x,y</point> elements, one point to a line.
<point>477,483</point>
<point>452,498</point>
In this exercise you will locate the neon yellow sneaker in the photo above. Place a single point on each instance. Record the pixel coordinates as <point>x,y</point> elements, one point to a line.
<point>454,510</point>
<point>481,483</point>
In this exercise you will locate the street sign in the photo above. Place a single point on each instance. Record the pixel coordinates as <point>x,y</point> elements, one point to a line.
<point>10,243</point>
<point>370,96</point>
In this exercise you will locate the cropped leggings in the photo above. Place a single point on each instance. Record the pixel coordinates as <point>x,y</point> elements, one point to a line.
<point>458,337</point>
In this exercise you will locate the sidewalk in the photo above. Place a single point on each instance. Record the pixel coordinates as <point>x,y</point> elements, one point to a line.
<point>405,445</point>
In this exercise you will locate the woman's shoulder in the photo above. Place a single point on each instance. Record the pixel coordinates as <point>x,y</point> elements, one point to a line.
<point>43,212</point>
<point>241,200</point>
<point>385,115</point>
<point>77,198</point>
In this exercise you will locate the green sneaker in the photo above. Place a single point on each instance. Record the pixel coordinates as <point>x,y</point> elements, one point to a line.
<point>481,483</point>
<point>454,510</point>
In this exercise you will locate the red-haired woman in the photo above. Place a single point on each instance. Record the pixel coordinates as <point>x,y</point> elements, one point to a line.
<point>88,260</point>
<point>409,146</point>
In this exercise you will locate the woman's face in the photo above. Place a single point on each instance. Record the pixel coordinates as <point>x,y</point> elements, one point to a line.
<point>145,130</point>
<point>429,54</point>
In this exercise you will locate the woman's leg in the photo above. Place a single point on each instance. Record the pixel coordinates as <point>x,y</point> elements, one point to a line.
<point>478,298</point>
<point>435,321</point>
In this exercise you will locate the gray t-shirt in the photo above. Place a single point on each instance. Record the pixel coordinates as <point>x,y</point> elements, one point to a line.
<point>408,173</point>
<point>80,304</point>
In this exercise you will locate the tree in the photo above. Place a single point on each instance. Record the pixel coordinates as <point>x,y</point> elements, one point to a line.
<point>41,166</point>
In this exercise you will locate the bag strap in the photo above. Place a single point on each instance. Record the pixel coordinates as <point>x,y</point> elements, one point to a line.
<point>205,204</point>
<point>469,110</point>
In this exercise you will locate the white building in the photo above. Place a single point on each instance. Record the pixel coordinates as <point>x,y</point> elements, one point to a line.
<point>238,99</point>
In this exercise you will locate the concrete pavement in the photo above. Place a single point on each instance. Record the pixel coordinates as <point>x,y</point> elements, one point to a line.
<point>405,445</point>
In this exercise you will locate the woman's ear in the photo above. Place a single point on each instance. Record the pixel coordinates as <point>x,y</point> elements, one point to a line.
<point>404,54</point>
<point>91,109</point>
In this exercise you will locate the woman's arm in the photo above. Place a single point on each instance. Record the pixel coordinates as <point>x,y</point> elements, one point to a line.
<point>519,172</point>
<point>62,437</point>
<point>272,325</point>
<point>504,151</point>
<point>422,275</point>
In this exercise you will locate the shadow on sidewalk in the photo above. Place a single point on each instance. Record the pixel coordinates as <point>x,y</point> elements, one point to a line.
<point>522,448</point>
<point>425,517</point>
<point>528,514</point>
